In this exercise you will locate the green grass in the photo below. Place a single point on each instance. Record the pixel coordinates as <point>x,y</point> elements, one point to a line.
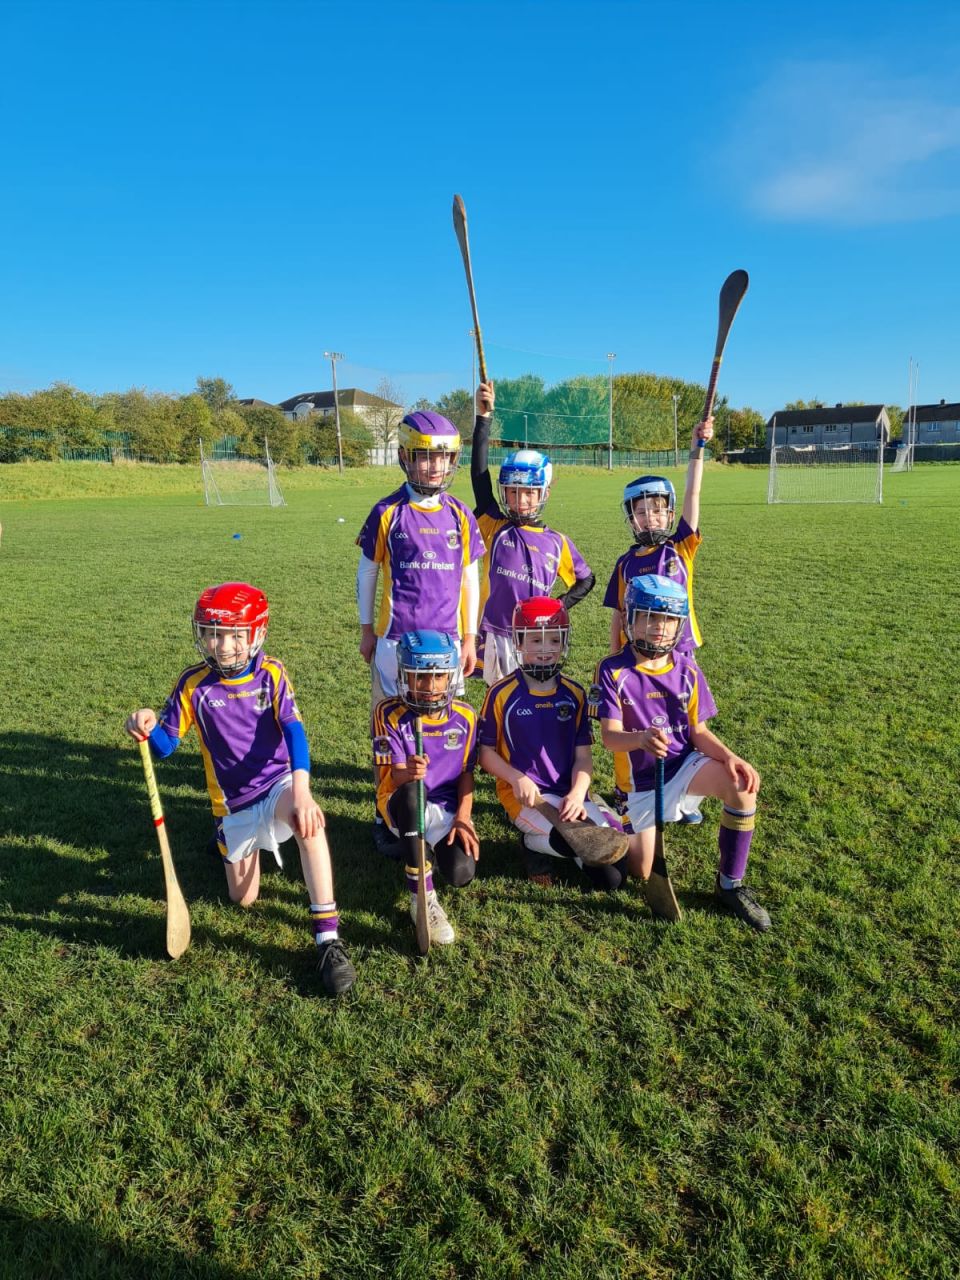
<point>570,1091</point>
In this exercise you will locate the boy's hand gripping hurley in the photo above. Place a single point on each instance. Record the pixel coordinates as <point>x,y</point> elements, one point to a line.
<point>594,846</point>
<point>661,899</point>
<point>178,917</point>
<point>731,295</point>
<point>423,922</point>
<point>460,227</point>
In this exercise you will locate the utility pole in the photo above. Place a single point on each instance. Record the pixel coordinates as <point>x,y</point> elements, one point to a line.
<point>611,356</point>
<point>333,357</point>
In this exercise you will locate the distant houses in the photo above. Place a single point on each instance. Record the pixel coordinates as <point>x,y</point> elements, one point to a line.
<point>829,425</point>
<point>938,423</point>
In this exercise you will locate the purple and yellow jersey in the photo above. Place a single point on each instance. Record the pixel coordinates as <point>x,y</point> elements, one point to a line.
<point>422,553</point>
<point>675,700</point>
<point>673,559</point>
<point>537,733</point>
<point>238,722</point>
<point>522,561</point>
<point>449,740</point>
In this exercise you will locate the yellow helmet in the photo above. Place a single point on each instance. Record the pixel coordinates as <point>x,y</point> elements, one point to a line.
<point>429,448</point>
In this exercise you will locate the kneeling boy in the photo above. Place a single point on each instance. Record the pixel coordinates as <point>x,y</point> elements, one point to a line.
<point>653,703</point>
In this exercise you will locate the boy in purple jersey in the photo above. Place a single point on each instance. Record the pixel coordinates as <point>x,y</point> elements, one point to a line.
<point>648,505</point>
<point>535,740</point>
<point>653,702</point>
<point>255,757</point>
<point>524,558</point>
<point>428,667</point>
<point>427,546</point>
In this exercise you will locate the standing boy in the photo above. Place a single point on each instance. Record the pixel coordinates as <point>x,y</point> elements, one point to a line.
<point>653,703</point>
<point>524,558</point>
<point>255,756</point>
<point>427,546</point>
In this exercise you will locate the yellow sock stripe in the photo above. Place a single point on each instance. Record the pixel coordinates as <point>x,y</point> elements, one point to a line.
<point>738,821</point>
<point>415,871</point>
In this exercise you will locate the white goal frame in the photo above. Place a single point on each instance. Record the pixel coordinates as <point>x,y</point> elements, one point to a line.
<point>240,482</point>
<point>817,473</point>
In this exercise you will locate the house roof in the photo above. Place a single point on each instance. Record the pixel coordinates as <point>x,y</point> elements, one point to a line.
<point>349,397</point>
<point>827,414</point>
<point>254,403</point>
<point>941,412</point>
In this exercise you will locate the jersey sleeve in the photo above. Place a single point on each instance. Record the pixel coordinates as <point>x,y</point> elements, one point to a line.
<point>473,544</point>
<point>604,697</point>
<point>611,596</point>
<point>572,567</point>
<point>284,701</point>
<point>700,704</point>
<point>389,746</point>
<point>473,745</point>
<point>584,736</point>
<point>487,730</point>
<point>488,524</point>
<point>686,540</point>
<point>372,538</point>
<point>177,715</point>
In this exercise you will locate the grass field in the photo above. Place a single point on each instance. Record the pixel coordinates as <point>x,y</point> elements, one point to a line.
<point>572,1090</point>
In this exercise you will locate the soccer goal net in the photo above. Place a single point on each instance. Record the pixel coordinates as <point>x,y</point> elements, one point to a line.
<point>826,473</point>
<point>232,481</point>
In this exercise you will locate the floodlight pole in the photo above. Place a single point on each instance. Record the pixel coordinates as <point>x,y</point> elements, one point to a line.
<point>611,356</point>
<point>676,442</point>
<point>524,430</point>
<point>333,357</point>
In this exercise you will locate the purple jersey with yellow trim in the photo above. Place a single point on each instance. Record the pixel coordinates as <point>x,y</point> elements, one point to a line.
<point>537,733</point>
<point>672,559</point>
<point>422,552</point>
<point>675,700</point>
<point>449,740</point>
<point>238,722</point>
<point>522,561</point>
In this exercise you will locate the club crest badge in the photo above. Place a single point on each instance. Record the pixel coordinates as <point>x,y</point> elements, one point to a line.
<point>453,539</point>
<point>381,746</point>
<point>564,711</point>
<point>594,695</point>
<point>453,740</point>
<point>671,567</point>
<point>263,699</point>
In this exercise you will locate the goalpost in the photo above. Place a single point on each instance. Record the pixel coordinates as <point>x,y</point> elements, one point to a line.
<point>904,459</point>
<point>233,481</point>
<point>826,473</point>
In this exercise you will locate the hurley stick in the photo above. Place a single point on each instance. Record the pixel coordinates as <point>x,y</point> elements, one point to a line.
<point>661,899</point>
<point>423,922</point>
<point>178,917</point>
<point>594,846</point>
<point>731,295</point>
<point>460,227</point>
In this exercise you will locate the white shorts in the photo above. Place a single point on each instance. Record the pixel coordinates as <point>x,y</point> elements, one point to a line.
<point>680,796</point>
<point>537,828</point>
<point>437,822</point>
<point>383,670</point>
<point>257,827</point>
<point>499,656</point>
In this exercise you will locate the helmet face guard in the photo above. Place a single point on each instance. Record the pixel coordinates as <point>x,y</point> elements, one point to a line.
<point>525,469</point>
<point>428,666</point>
<point>230,626</point>
<point>541,627</point>
<point>429,451</point>
<point>658,605</point>
<point>648,498</point>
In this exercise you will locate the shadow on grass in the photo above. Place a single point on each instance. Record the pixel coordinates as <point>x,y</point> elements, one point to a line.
<point>78,838</point>
<point>52,1248</point>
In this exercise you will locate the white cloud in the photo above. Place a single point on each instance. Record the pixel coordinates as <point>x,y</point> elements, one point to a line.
<point>838,142</point>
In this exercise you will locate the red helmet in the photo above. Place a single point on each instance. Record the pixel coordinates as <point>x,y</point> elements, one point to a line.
<point>232,609</point>
<point>541,616</point>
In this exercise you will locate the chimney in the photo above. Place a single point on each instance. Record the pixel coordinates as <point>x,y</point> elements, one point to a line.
<point>943,402</point>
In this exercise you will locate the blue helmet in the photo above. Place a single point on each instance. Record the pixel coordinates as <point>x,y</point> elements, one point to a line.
<point>427,653</point>
<point>648,594</point>
<point>647,488</point>
<point>525,469</point>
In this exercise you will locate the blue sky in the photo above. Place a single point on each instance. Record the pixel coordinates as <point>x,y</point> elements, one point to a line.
<point>229,189</point>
